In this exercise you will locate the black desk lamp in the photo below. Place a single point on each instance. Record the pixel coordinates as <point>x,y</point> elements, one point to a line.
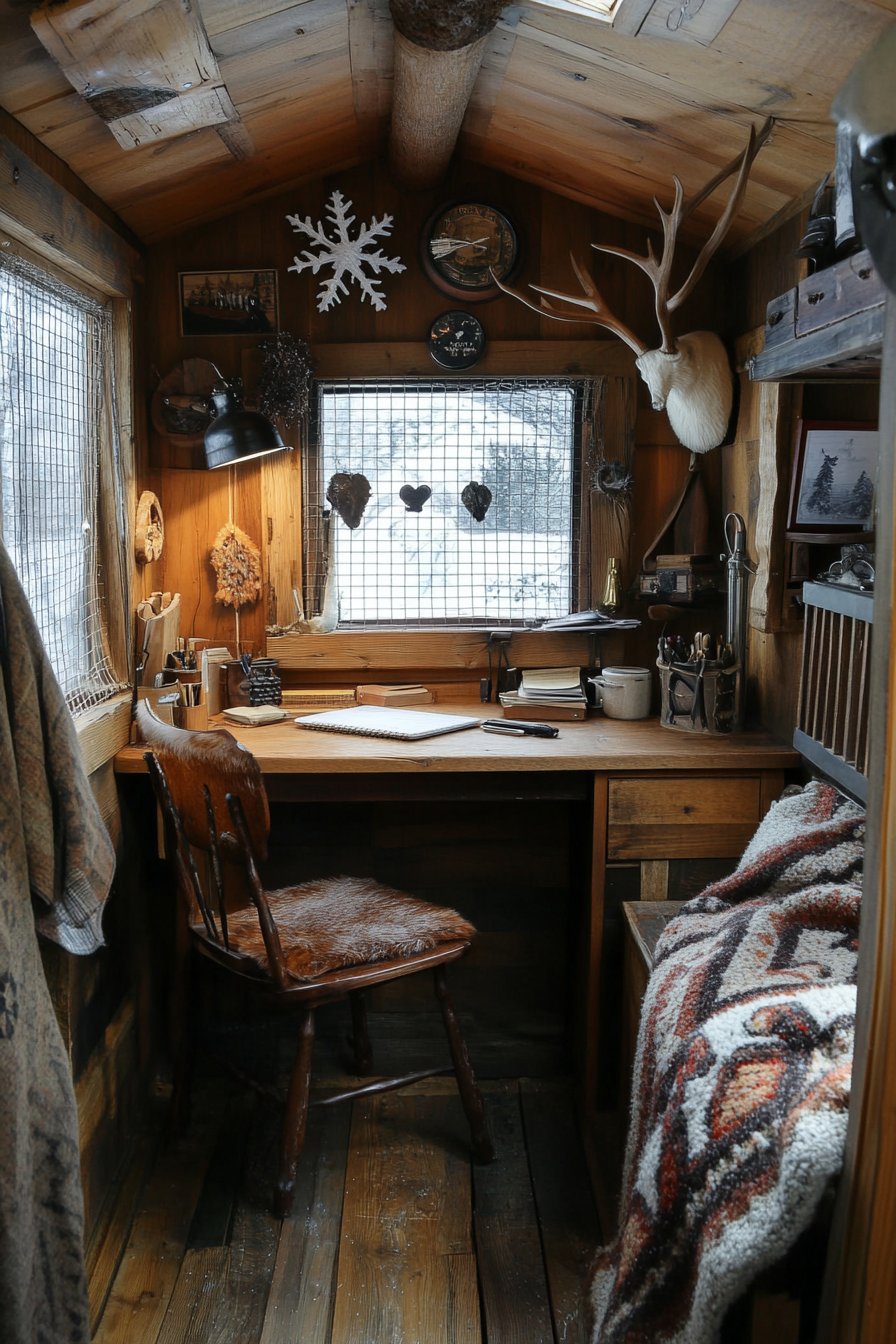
<point>237,435</point>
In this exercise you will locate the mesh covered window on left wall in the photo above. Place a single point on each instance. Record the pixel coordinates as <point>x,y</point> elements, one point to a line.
<point>54,347</point>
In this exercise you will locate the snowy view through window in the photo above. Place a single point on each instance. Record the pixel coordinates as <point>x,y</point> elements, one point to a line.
<point>440,565</point>
<point>51,377</point>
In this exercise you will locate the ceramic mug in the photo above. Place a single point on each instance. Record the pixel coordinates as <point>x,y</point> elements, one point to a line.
<point>623,692</point>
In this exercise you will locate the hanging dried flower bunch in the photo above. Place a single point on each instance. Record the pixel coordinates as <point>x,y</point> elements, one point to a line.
<point>285,388</point>
<point>237,562</point>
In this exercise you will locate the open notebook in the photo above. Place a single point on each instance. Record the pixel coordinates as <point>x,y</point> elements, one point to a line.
<point>378,721</point>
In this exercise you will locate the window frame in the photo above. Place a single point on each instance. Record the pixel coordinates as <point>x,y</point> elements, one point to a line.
<point>313,564</point>
<point>111,524</point>
<point>76,246</point>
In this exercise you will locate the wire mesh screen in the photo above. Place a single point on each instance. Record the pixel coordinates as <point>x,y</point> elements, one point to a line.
<point>54,345</point>
<point>426,560</point>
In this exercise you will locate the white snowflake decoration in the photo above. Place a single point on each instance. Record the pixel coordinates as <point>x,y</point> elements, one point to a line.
<point>345,254</point>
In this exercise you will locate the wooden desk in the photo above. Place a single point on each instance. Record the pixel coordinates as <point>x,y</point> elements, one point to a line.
<point>653,796</point>
<point>599,744</point>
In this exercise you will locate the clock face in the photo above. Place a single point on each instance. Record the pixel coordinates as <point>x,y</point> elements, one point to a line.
<point>456,340</point>
<point>462,244</point>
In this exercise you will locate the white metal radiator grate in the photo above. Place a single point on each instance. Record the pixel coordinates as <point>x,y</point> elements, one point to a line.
<point>832,722</point>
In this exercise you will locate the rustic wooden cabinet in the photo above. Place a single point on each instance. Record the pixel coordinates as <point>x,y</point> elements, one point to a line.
<point>643,824</point>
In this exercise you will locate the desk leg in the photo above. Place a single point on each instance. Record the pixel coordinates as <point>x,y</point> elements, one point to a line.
<point>592,940</point>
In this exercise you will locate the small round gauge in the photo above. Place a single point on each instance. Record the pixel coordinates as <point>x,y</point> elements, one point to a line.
<point>461,246</point>
<point>456,340</point>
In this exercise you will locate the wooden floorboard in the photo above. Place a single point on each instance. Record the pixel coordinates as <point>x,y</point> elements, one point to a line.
<point>197,1293</point>
<point>395,1234</point>
<point>240,1308</point>
<point>300,1303</point>
<point>407,1210</point>
<point>151,1264</point>
<point>111,1234</point>
<point>566,1212</point>
<point>508,1244</point>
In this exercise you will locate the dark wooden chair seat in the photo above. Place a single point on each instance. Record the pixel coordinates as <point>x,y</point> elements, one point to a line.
<point>212,794</point>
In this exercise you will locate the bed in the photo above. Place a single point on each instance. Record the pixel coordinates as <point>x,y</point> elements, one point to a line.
<point>742,1071</point>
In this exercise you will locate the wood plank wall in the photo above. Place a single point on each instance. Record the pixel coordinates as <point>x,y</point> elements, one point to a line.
<point>549,225</point>
<point>767,270</point>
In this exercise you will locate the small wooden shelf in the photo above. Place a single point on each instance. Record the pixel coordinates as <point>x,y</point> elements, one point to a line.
<point>829,328</point>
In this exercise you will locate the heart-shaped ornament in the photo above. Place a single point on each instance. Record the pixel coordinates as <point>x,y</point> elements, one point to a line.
<point>476,499</point>
<point>349,492</point>
<point>414,497</point>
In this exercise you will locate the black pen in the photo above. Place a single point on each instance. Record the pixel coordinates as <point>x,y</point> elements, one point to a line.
<point>519,728</point>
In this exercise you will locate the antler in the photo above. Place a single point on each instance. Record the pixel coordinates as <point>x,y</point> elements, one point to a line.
<point>593,301</point>
<point>660,271</point>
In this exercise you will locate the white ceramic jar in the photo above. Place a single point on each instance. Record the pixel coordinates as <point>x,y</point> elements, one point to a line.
<point>623,692</point>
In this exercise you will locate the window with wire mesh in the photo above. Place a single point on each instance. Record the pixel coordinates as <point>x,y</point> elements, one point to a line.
<point>54,344</point>
<point>440,566</point>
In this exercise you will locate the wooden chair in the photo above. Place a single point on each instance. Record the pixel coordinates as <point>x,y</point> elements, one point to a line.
<point>211,791</point>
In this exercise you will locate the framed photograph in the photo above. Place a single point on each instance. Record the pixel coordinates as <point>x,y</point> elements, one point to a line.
<point>834,478</point>
<point>228,303</point>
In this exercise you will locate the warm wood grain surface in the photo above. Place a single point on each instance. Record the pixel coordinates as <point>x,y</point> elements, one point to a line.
<point>603,114</point>
<point>597,744</point>
<point>406,1215</point>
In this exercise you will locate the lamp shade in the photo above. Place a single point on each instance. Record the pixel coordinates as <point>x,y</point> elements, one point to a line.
<point>237,435</point>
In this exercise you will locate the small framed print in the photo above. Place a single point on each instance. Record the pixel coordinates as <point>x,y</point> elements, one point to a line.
<point>834,480</point>
<point>228,303</point>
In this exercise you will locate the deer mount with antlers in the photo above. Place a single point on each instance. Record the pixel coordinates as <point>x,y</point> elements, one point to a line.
<point>690,376</point>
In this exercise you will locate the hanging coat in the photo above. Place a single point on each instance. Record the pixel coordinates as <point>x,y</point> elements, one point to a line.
<point>56,864</point>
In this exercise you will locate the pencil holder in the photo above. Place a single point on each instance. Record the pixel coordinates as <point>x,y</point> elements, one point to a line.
<point>192,717</point>
<point>700,697</point>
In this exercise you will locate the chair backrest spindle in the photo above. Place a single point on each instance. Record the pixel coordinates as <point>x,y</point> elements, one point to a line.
<point>272,945</point>
<point>184,855</point>
<point>217,872</point>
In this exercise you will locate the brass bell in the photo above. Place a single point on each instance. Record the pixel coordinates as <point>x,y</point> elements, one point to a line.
<point>612,599</point>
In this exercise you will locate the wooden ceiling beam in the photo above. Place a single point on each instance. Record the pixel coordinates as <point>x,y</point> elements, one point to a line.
<point>438,50</point>
<point>144,66</point>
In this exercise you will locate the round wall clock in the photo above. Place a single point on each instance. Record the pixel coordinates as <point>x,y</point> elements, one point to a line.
<point>456,340</point>
<point>460,246</point>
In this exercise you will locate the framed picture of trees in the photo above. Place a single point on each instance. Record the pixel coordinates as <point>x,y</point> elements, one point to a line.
<point>833,483</point>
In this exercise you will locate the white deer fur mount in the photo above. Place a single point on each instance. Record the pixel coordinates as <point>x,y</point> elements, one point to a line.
<point>690,376</point>
<point>695,386</point>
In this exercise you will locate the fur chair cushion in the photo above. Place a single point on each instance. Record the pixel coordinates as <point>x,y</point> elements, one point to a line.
<point>345,921</point>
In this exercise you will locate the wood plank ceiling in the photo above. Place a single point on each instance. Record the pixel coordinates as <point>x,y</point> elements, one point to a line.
<point>562,101</point>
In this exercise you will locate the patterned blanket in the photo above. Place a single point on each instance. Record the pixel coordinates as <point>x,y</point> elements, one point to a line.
<point>741,1079</point>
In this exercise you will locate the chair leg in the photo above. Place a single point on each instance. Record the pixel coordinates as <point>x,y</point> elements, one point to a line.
<point>470,1095</point>
<point>292,1139</point>
<point>360,1038</point>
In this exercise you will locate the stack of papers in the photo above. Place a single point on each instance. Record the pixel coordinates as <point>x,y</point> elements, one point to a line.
<point>590,621</point>
<point>552,686</point>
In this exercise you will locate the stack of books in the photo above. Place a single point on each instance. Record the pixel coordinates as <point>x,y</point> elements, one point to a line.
<point>547,693</point>
<point>317,697</point>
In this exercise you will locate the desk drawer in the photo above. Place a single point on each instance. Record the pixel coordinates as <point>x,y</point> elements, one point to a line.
<point>682,817</point>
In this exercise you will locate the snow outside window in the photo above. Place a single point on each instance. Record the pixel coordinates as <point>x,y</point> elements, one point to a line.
<point>53,348</point>
<point>440,566</point>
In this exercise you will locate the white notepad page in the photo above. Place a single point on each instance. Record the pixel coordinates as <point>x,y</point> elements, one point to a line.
<point>380,721</point>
